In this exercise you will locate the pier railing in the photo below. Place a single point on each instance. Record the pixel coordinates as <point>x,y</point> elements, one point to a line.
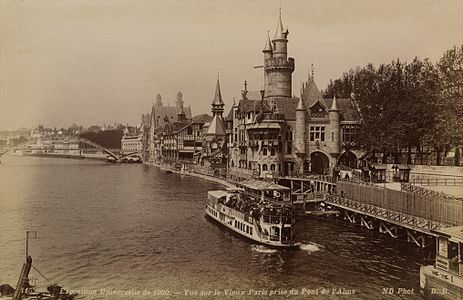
<point>436,207</point>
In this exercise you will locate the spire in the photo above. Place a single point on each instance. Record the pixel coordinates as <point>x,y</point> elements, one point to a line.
<point>217,103</point>
<point>334,105</point>
<point>313,72</point>
<point>300,105</point>
<point>280,33</point>
<point>268,44</point>
<point>218,94</point>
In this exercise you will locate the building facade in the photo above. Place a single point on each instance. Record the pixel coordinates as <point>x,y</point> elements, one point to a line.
<point>271,133</point>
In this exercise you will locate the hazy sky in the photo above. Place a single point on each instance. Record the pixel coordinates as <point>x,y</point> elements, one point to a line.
<point>97,61</point>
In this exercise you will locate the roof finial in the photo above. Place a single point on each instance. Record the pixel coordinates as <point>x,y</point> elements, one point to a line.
<point>246,85</point>
<point>313,72</point>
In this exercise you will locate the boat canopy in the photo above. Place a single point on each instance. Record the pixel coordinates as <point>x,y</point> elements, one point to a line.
<point>455,232</point>
<point>218,194</point>
<point>260,185</point>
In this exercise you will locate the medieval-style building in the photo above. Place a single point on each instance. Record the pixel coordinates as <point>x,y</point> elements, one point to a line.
<point>161,114</point>
<point>272,133</point>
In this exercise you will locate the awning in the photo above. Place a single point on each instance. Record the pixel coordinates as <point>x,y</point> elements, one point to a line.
<point>403,167</point>
<point>378,167</point>
<point>264,125</point>
<point>260,185</point>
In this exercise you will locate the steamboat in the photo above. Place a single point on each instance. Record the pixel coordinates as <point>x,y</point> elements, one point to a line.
<point>258,210</point>
<point>444,279</point>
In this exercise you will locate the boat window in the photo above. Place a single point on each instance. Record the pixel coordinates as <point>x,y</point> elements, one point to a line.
<point>453,251</point>
<point>443,247</point>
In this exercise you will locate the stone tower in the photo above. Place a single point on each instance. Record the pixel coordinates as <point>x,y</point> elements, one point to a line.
<point>278,67</point>
<point>300,134</point>
<point>334,124</point>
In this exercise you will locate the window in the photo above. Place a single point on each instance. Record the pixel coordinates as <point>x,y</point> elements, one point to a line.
<point>289,148</point>
<point>189,130</point>
<point>264,151</point>
<point>317,133</point>
<point>272,167</point>
<point>349,133</point>
<point>332,136</point>
<point>272,151</point>
<point>264,167</point>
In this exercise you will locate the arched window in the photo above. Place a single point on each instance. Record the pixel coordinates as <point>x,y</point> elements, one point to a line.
<point>272,167</point>
<point>264,151</point>
<point>264,167</point>
<point>272,151</point>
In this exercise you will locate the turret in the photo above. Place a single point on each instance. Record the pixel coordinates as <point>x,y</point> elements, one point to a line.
<point>280,40</point>
<point>335,114</point>
<point>301,114</point>
<point>278,67</point>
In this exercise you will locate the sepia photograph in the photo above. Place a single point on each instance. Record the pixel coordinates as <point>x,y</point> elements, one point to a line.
<point>231,149</point>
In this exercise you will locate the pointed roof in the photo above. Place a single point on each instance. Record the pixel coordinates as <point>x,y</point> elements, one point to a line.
<point>334,105</point>
<point>300,104</point>
<point>280,33</point>
<point>216,126</point>
<point>268,44</point>
<point>218,94</point>
<point>312,95</point>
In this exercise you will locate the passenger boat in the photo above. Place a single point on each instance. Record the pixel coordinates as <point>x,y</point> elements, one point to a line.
<point>258,210</point>
<point>444,279</point>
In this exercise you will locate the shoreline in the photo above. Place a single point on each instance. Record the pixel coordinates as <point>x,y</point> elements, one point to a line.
<point>195,174</point>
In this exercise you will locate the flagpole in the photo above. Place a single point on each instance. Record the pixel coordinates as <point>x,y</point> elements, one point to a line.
<point>27,243</point>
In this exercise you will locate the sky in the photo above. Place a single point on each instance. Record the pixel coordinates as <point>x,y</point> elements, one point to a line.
<point>104,61</point>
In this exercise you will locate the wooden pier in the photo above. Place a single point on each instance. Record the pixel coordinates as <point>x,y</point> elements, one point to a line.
<point>411,213</point>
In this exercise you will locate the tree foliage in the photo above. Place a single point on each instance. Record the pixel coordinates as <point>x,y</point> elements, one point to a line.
<point>407,105</point>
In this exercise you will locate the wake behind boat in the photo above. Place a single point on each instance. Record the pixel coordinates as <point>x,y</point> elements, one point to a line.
<point>258,210</point>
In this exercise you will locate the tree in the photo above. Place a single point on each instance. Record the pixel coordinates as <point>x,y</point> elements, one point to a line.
<point>447,131</point>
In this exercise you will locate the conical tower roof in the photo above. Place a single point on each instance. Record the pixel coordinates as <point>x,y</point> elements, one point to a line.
<point>280,33</point>
<point>268,44</point>
<point>218,94</point>
<point>334,105</point>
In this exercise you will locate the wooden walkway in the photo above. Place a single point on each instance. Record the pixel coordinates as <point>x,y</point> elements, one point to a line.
<point>411,213</point>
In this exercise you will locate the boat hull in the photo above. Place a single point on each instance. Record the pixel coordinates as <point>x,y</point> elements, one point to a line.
<point>437,284</point>
<point>249,236</point>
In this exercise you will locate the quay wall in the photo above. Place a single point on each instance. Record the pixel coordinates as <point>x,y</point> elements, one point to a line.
<point>430,205</point>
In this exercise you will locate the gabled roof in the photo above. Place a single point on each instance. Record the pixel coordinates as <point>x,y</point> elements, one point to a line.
<point>171,112</point>
<point>287,106</point>
<point>203,118</point>
<point>229,117</point>
<point>311,95</point>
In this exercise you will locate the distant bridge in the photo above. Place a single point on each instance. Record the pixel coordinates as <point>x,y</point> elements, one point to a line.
<point>82,141</point>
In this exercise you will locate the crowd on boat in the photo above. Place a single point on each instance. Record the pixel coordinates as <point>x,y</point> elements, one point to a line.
<point>256,207</point>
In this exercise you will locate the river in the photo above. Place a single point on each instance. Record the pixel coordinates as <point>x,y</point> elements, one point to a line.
<point>131,231</point>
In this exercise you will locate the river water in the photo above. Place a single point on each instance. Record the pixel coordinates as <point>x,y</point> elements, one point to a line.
<point>121,231</point>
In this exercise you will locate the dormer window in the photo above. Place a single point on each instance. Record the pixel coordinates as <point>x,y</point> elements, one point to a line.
<point>317,111</point>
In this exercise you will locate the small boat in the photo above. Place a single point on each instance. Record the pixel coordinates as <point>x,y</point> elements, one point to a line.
<point>258,210</point>
<point>444,279</point>
<point>24,290</point>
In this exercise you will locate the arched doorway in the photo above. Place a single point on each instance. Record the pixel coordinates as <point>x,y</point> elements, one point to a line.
<point>319,163</point>
<point>348,159</point>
